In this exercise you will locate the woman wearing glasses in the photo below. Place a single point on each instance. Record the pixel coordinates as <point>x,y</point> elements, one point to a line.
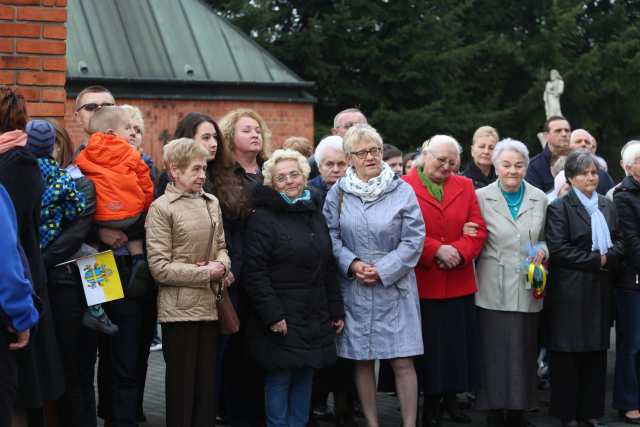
<point>446,279</point>
<point>377,233</point>
<point>291,281</point>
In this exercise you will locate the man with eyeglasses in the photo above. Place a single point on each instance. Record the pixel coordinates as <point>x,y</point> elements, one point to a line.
<point>88,101</point>
<point>345,119</point>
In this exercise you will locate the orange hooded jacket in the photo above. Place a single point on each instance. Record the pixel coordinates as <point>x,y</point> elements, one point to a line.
<point>123,183</point>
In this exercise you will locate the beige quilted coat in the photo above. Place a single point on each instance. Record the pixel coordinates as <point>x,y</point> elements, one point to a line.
<point>178,229</point>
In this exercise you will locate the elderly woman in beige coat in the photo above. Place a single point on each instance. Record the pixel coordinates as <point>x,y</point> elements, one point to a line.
<point>508,312</point>
<point>188,258</point>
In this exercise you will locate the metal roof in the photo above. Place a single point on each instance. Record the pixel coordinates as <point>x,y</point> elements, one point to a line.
<point>171,49</point>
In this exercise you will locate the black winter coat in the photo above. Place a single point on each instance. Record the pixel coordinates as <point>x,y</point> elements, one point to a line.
<point>579,300</point>
<point>627,200</point>
<point>290,274</point>
<point>480,180</point>
<point>39,366</point>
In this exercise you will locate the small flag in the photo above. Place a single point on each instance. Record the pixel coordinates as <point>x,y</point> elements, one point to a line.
<point>100,278</point>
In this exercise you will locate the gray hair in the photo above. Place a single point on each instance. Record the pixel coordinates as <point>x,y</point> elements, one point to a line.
<point>631,154</point>
<point>360,132</point>
<point>576,131</point>
<point>330,142</point>
<point>279,156</point>
<point>627,145</point>
<point>578,161</point>
<point>348,110</point>
<point>430,143</point>
<point>513,145</point>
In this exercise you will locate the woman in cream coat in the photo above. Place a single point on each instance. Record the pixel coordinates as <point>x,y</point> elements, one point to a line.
<point>188,259</point>
<point>508,312</point>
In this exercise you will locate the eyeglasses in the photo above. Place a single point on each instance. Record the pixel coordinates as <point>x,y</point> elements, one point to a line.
<point>362,154</point>
<point>92,106</point>
<point>347,125</point>
<point>293,175</point>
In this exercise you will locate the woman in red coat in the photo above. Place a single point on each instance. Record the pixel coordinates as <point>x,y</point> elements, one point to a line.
<point>445,276</point>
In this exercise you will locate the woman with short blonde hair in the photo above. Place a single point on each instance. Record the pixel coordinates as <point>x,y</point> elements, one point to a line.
<point>480,168</point>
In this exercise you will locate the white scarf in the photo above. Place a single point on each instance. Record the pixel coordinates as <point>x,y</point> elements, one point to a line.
<point>370,190</point>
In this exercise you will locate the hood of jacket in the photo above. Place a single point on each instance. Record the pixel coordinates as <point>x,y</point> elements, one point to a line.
<point>108,150</point>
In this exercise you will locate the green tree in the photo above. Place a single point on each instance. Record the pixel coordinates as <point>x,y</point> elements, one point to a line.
<point>423,67</point>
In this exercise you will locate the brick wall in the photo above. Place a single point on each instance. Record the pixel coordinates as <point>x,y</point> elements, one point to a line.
<point>161,117</point>
<point>32,53</point>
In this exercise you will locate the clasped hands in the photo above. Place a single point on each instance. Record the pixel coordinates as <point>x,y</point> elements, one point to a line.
<point>365,273</point>
<point>280,327</point>
<point>447,256</point>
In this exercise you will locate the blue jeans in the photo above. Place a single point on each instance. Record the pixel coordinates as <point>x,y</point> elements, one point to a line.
<point>287,395</point>
<point>626,390</point>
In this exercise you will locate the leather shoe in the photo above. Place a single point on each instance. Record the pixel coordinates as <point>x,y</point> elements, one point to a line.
<point>628,420</point>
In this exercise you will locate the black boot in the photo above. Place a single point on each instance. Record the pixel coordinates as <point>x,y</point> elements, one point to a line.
<point>516,419</point>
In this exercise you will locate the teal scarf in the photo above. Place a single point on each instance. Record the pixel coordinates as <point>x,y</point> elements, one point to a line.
<point>514,200</point>
<point>306,195</point>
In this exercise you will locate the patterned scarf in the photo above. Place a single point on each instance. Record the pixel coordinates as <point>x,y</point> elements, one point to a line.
<point>12,139</point>
<point>370,190</point>
<point>600,234</point>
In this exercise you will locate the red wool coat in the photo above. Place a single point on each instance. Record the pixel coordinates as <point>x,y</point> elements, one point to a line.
<point>443,222</point>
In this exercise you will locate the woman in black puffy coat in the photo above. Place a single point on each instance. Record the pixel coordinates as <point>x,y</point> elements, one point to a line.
<point>291,280</point>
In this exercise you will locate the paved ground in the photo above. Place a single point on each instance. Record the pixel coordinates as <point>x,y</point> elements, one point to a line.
<point>388,405</point>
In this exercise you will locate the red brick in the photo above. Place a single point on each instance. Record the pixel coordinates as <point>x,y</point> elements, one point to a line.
<point>7,77</point>
<point>54,64</point>
<point>29,93</point>
<point>20,62</point>
<point>6,45</point>
<point>20,30</point>
<point>48,2</point>
<point>55,32</point>
<point>61,3</point>
<point>42,14</point>
<point>22,2</point>
<point>54,95</point>
<point>7,12</point>
<point>40,78</point>
<point>41,46</point>
<point>45,109</point>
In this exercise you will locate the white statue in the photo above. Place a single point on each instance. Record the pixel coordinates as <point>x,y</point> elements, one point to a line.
<point>552,92</point>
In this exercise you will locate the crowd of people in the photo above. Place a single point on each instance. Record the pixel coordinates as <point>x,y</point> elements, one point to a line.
<point>334,259</point>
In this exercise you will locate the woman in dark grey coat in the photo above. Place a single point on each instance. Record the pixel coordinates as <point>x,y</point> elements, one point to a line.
<point>580,233</point>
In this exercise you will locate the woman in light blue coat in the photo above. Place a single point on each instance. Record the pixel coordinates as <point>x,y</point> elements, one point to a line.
<point>377,233</point>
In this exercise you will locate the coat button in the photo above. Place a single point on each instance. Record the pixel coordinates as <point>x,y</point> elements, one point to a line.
<point>442,239</point>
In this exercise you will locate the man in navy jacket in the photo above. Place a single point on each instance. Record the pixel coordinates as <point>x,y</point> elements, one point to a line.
<point>556,132</point>
<point>17,312</point>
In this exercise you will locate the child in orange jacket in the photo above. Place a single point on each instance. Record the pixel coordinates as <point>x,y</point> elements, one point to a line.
<point>124,190</point>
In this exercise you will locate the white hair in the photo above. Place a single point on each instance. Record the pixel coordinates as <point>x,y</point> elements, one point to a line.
<point>509,144</point>
<point>360,132</point>
<point>576,131</point>
<point>631,154</point>
<point>330,142</point>
<point>430,143</point>
<point>280,155</point>
<point>627,145</point>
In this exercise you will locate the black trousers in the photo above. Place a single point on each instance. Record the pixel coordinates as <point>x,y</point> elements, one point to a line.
<point>78,346</point>
<point>119,364</point>
<point>149,306</point>
<point>189,350</point>
<point>578,384</point>
<point>8,377</point>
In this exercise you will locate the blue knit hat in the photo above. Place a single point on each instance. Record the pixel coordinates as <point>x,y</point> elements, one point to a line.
<point>41,135</point>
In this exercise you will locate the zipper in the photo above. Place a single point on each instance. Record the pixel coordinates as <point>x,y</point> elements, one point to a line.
<point>636,278</point>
